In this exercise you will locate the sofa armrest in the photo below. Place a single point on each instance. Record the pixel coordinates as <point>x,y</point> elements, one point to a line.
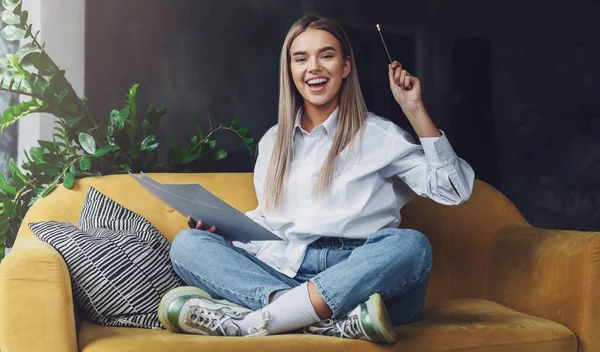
<point>36,300</point>
<point>550,274</point>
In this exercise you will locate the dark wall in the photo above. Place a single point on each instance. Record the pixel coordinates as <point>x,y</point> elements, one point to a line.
<point>197,58</point>
<point>544,85</point>
<point>513,84</point>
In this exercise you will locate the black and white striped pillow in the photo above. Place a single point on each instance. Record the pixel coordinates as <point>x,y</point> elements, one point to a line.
<point>118,261</point>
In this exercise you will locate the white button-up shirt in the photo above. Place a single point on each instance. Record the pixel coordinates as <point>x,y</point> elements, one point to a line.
<point>362,197</point>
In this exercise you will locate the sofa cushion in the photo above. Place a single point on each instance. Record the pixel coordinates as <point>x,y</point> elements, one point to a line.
<point>450,325</point>
<point>118,261</point>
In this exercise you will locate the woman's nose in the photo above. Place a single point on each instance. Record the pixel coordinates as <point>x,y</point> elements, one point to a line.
<point>314,66</point>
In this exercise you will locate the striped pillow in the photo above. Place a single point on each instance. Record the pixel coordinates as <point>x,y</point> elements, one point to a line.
<point>118,261</point>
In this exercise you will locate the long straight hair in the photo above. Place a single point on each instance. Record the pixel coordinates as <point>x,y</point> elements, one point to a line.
<point>351,114</point>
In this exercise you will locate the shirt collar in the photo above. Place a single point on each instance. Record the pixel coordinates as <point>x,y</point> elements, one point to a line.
<point>330,124</point>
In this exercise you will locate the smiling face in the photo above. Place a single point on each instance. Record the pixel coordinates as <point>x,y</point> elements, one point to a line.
<point>318,67</point>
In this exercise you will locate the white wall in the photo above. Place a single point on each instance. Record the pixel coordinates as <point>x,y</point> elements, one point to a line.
<point>62,27</point>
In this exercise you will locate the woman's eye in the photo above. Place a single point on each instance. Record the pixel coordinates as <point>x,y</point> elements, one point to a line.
<point>300,59</point>
<point>327,56</point>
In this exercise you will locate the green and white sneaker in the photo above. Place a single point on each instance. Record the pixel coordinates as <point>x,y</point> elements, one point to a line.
<point>191,310</point>
<point>368,321</point>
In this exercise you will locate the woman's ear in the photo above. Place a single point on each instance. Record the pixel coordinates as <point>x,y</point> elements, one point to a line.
<point>347,66</point>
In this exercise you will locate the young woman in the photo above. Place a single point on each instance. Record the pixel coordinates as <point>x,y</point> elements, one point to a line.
<point>323,179</point>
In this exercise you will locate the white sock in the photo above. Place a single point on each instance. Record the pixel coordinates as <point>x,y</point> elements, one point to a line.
<point>291,311</point>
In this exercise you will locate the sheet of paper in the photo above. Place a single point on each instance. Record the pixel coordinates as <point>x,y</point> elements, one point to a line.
<point>231,223</point>
<point>191,191</point>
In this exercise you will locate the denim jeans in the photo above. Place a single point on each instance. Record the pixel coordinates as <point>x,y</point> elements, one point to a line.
<point>392,262</point>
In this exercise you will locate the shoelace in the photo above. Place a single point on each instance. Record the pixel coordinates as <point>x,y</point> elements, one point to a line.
<point>209,320</point>
<point>261,330</point>
<point>352,324</point>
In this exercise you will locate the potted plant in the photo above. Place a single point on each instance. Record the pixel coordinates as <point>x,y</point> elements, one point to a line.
<point>82,144</point>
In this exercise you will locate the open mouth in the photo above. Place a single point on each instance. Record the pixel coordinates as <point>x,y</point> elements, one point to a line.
<point>317,84</point>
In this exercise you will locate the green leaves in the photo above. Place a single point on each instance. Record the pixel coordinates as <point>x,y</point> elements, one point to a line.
<point>14,113</point>
<point>61,160</point>
<point>7,207</point>
<point>242,132</point>
<point>212,144</point>
<point>26,49</point>
<point>115,132</point>
<point>17,82</point>
<point>87,142</point>
<point>219,154</point>
<point>24,16</point>
<point>68,180</point>
<point>117,118</point>
<point>150,123</point>
<point>198,130</point>
<point>105,149</point>
<point>48,190</point>
<point>46,67</point>
<point>235,122</point>
<point>132,105</point>
<point>85,164</point>
<point>16,21</point>
<point>37,155</point>
<point>11,5</point>
<point>58,88</point>
<point>15,170</point>
<point>69,177</point>
<point>12,33</point>
<point>149,143</point>
<point>124,168</point>
<point>4,225</point>
<point>62,135</point>
<point>10,190</point>
<point>10,17</point>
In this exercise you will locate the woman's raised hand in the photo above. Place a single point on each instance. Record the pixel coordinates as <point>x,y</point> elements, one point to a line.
<point>405,88</point>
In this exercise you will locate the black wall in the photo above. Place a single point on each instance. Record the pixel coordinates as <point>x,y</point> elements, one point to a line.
<point>513,84</point>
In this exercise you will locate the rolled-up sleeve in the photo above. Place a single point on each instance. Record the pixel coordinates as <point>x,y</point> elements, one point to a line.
<point>432,169</point>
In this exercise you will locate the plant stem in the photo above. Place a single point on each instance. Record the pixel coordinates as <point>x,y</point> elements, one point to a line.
<point>211,133</point>
<point>57,107</point>
<point>63,172</point>
<point>19,194</point>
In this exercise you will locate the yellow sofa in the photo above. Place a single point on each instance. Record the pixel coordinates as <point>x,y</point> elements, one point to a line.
<point>497,283</point>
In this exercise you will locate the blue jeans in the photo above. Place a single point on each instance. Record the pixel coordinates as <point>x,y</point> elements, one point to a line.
<point>392,262</point>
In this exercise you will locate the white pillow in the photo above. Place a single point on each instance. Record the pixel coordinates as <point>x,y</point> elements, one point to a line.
<point>118,261</point>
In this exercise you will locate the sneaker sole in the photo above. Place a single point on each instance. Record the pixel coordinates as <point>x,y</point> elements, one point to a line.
<point>169,297</point>
<point>381,319</point>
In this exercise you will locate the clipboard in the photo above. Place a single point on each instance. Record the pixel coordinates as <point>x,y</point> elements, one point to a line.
<point>196,201</point>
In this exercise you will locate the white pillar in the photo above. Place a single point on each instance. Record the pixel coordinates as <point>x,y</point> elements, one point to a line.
<point>62,27</point>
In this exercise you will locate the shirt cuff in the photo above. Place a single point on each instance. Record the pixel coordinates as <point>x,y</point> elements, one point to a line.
<point>438,150</point>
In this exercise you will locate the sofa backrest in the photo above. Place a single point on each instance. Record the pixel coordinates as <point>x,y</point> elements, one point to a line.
<point>461,236</point>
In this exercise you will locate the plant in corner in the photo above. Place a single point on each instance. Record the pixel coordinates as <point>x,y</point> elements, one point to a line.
<point>125,141</point>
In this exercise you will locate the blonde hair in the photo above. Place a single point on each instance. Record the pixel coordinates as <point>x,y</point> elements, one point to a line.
<point>351,114</point>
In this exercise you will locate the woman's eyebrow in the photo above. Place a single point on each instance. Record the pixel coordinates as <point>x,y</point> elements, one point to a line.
<point>325,48</point>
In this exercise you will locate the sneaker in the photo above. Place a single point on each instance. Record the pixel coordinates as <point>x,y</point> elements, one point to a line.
<point>193,311</point>
<point>368,321</point>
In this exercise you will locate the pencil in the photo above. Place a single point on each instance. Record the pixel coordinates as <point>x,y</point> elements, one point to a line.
<point>383,41</point>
